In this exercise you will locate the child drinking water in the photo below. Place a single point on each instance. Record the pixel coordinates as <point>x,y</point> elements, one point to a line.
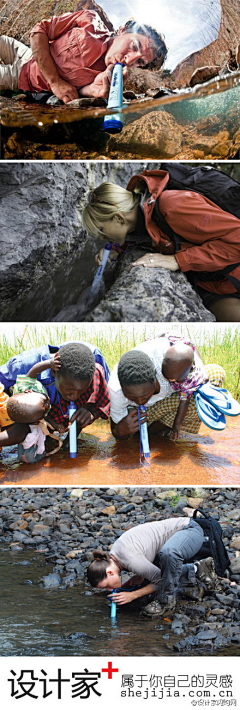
<point>22,415</point>
<point>182,366</point>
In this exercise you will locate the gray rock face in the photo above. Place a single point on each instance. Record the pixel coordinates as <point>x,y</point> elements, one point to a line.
<point>42,237</point>
<point>142,294</point>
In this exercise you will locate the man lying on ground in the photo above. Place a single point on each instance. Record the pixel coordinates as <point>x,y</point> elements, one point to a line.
<point>72,55</point>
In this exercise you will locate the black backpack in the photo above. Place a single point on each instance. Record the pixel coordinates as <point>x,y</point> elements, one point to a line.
<point>208,181</point>
<point>220,189</point>
<point>213,545</point>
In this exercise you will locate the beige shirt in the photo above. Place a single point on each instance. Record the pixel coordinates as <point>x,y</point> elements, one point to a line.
<point>137,548</point>
<point>155,349</point>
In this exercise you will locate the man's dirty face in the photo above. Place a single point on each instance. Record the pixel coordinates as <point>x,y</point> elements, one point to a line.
<point>130,48</point>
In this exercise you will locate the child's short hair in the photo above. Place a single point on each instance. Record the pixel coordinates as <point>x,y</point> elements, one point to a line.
<point>77,360</point>
<point>135,368</point>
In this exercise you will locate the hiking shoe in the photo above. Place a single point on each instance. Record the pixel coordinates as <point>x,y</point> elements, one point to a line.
<point>155,608</point>
<point>206,573</point>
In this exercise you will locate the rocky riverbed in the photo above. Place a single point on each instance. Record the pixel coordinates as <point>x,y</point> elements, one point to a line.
<point>67,524</point>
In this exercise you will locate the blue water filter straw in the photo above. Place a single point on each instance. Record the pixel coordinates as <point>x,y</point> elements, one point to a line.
<point>100,270</point>
<point>114,123</point>
<point>144,442</point>
<point>113,608</point>
<point>72,432</point>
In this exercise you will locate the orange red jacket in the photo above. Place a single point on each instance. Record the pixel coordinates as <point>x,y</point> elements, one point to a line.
<point>78,43</point>
<point>213,235</point>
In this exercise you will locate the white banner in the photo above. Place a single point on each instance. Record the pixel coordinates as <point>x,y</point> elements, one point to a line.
<point>171,682</point>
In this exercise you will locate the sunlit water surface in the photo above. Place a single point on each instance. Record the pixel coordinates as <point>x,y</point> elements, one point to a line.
<point>205,459</point>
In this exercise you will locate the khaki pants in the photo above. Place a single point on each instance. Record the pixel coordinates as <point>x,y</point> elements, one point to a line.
<point>166,409</point>
<point>13,55</point>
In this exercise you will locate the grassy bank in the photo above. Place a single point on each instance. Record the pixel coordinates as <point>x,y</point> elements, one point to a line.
<point>217,344</point>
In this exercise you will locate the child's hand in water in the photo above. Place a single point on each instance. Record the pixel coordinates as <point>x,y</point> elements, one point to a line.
<point>113,255</point>
<point>55,362</point>
<point>174,432</point>
<point>61,428</point>
<point>83,416</point>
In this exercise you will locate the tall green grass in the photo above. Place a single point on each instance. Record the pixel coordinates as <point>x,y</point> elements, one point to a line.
<point>216,343</point>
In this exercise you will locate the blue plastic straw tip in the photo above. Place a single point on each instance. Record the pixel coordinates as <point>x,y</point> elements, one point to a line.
<point>113,126</point>
<point>73,456</point>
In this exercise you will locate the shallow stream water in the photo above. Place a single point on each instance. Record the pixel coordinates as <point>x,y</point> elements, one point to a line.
<point>31,130</point>
<point>39,622</point>
<point>207,458</point>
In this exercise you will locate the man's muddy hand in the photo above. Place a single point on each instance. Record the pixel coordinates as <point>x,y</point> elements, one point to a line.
<point>64,91</point>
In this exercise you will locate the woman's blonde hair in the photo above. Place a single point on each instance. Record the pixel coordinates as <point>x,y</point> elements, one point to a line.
<point>104,202</point>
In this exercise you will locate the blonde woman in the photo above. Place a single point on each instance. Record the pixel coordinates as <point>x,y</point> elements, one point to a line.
<point>209,237</point>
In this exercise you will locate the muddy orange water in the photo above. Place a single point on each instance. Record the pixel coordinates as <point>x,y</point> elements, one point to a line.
<point>207,458</point>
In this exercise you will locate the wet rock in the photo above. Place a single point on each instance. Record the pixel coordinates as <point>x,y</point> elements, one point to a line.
<point>222,150</point>
<point>42,530</point>
<point>156,134</point>
<point>47,154</point>
<point>206,635</point>
<point>203,74</point>
<point>20,525</point>
<point>73,554</point>
<point>235,566</point>
<point>6,501</point>
<point>64,528</point>
<point>234,514</point>
<point>142,294</point>
<point>110,510</point>
<point>20,537</point>
<point>195,502</point>
<point>206,144</point>
<point>223,599</point>
<point>51,581</point>
<point>219,612</point>
<point>76,493</point>
<point>180,505</point>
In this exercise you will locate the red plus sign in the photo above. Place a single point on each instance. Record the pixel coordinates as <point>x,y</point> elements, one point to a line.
<point>110,670</point>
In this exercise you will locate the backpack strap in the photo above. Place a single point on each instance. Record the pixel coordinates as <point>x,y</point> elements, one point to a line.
<point>199,510</point>
<point>161,222</point>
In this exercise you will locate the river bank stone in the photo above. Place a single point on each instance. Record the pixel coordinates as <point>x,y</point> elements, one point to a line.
<point>156,135</point>
<point>52,581</point>
<point>146,294</point>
